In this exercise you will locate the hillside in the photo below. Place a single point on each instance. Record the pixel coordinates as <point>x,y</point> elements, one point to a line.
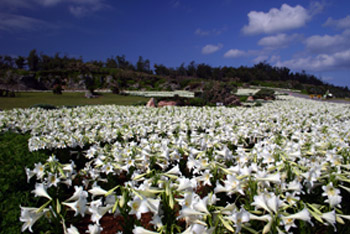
<point>45,73</point>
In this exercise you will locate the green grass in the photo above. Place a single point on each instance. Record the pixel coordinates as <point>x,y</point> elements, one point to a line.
<point>26,99</point>
<point>14,189</point>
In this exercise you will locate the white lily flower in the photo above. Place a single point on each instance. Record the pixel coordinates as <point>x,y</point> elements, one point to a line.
<point>233,185</point>
<point>29,216</point>
<point>303,215</point>
<point>260,201</point>
<point>201,205</point>
<point>97,191</point>
<point>79,206</point>
<point>219,188</point>
<point>186,184</point>
<point>205,177</point>
<point>72,230</point>
<point>198,229</point>
<point>138,207</point>
<point>29,173</point>
<point>98,211</point>
<point>141,230</point>
<point>334,199</point>
<point>52,180</point>
<point>238,218</point>
<point>40,191</point>
<point>295,186</point>
<point>39,170</point>
<point>157,221</point>
<point>174,171</point>
<point>79,192</point>
<point>94,229</point>
<point>274,203</point>
<point>330,218</point>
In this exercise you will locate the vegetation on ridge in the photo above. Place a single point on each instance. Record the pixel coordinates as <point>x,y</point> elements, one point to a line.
<point>116,73</point>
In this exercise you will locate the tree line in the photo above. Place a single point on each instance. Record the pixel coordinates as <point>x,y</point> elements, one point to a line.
<point>258,74</point>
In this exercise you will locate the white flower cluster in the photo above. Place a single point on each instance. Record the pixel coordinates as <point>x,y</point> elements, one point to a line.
<point>246,91</point>
<point>180,93</point>
<point>194,170</point>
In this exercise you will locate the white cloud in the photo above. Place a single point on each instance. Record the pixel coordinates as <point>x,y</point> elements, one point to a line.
<point>209,49</point>
<point>328,44</point>
<point>340,23</point>
<point>321,62</point>
<point>214,31</point>
<point>278,41</point>
<point>316,8</point>
<point>260,58</point>
<point>49,2</point>
<point>13,22</point>
<point>175,4</point>
<point>14,4</point>
<point>201,32</point>
<point>77,8</point>
<point>234,53</point>
<point>276,20</point>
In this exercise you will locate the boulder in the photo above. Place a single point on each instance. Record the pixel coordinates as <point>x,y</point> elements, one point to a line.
<point>166,103</point>
<point>250,99</point>
<point>151,103</point>
<point>232,101</point>
<point>89,94</point>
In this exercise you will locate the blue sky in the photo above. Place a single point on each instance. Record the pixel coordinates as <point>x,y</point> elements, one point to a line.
<point>302,35</point>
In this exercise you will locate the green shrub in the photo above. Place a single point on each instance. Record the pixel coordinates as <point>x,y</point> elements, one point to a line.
<point>44,106</point>
<point>265,93</point>
<point>15,191</point>
<point>258,103</point>
<point>196,102</point>
<point>243,98</point>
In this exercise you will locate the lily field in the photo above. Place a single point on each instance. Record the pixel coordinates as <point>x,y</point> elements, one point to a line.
<point>283,167</point>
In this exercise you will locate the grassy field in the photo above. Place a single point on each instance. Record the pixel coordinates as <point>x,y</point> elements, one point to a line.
<point>26,99</point>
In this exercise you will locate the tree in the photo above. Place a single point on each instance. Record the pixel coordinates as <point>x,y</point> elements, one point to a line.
<point>45,62</point>
<point>181,71</point>
<point>147,66</point>
<point>33,60</point>
<point>123,64</point>
<point>111,63</point>
<point>20,62</point>
<point>8,61</point>
<point>192,69</point>
<point>143,65</point>
<point>204,71</point>
<point>161,70</point>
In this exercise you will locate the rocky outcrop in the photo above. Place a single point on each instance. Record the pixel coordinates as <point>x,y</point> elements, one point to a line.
<point>166,103</point>
<point>151,103</point>
<point>30,82</point>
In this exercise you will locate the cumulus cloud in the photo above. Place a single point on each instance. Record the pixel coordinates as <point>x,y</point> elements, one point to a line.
<point>209,49</point>
<point>278,41</point>
<point>340,23</point>
<point>49,2</point>
<point>234,53</point>
<point>327,43</point>
<point>77,8</point>
<point>13,22</point>
<point>201,32</point>
<point>321,62</point>
<point>214,31</point>
<point>14,4</point>
<point>260,58</point>
<point>276,20</point>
